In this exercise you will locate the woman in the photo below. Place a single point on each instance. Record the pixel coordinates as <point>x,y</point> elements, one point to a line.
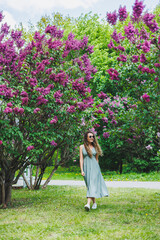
<point>90,170</point>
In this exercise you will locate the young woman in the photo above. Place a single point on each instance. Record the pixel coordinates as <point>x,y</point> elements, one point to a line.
<point>90,170</point>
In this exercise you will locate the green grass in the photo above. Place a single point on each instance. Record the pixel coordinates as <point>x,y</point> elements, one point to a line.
<point>58,213</point>
<point>73,173</point>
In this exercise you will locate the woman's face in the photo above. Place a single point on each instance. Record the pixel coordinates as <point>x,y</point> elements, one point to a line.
<point>90,137</point>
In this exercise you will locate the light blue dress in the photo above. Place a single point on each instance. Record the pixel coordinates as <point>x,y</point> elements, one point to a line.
<point>93,178</point>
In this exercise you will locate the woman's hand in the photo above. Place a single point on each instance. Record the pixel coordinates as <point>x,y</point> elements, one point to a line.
<point>82,173</point>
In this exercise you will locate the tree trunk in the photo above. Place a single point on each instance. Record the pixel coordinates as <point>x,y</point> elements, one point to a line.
<point>5,188</point>
<point>121,166</point>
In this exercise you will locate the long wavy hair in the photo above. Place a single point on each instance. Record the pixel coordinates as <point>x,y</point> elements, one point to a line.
<point>95,145</point>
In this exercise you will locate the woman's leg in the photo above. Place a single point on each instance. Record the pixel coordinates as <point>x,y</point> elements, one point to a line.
<point>94,200</point>
<point>89,200</point>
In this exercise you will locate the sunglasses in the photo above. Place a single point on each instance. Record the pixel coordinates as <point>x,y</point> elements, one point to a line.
<point>91,136</point>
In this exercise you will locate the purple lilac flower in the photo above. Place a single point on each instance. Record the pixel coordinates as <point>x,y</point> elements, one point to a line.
<point>36,110</point>
<point>146,97</point>
<point>24,100</point>
<point>152,24</point>
<point>53,143</point>
<point>143,58</point>
<point>146,46</point>
<point>122,58</point>
<point>5,28</point>
<point>106,134</point>
<point>157,65</point>
<point>137,10</point>
<point>135,58</point>
<point>129,140</point>
<point>149,147</point>
<point>143,34</point>
<point>24,94</point>
<point>129,31</point>
<point>114,122</point>
<point>1,142</point>
<point>29,148</point>
<point>1,16</point>
<point>113,74</point>
<point>156,79</point>
<point>110,45</point>
<point>112,18</point>
<point>122,13</point>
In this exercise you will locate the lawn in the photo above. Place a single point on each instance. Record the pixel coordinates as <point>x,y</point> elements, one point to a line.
<point>73,173</point>
<point>57,212</point>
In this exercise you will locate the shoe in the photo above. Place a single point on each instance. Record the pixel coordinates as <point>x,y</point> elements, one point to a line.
<point>87,207</point>
<point>94,206</point>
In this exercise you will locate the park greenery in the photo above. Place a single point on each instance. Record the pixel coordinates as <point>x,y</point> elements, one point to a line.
<point>57,213</point>
<point>64,76</point>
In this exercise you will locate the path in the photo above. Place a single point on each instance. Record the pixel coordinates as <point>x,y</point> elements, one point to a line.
<point>114,184</point>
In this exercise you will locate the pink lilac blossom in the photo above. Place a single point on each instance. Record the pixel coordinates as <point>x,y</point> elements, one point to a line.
<point>106,134</point>
<point>29,148</point>
<point>102,95</point>
<point>24,94</point>
<point>122,13</point>
<point>121,48</point>
<point>24,100</point>
<point>1,142</point>
<point>146,97</point>
<point>105,119</point>
<point>36,110</point>
<point>21,110</point>
<point>41,100</point>
<point>53,143</point>
<point>9,104</point>
<point>71,109</point>
<point>114,121</point>
<point>158,134</point>
<point>8,110</point>
<point>112,18</point>
<point>156,79</point>
<point>157,65</point>
<point>149,147</point>
<point>54,120</point>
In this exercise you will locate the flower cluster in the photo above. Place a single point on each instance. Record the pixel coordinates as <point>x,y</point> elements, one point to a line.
<point>129,31</point>
<point>54,32</point>
<point>135,58</point>
<point>71,109</point>
<point>29,148</point>
<point>151,24</point>
<point>137,10</point>
<point>102,95</point>
<point>53,143</point>
<point>122,13</point>
<point>113,74</point>
<point>112,18</point>
<point>106,134</point>
<point>146,97</point>
<point>54,120</point>
<point>146,46</point>
<point>122,58</point>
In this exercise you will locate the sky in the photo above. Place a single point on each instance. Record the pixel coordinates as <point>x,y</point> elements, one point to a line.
<point>23,11</point>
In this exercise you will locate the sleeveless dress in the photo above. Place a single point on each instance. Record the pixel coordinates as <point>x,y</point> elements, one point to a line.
<point>93,178</point>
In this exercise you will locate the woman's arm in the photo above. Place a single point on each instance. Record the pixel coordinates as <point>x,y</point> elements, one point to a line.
<point>81,160</point>
<point>97,158</point>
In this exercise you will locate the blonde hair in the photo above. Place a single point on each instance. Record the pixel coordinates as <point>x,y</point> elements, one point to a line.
<point>95,145</point>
